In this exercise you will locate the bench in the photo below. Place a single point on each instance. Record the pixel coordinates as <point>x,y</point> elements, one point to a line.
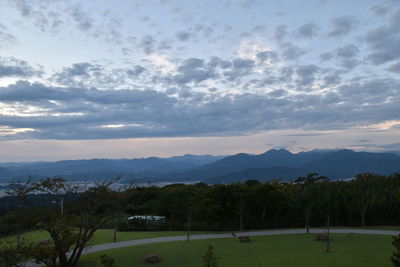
<point>244,238</point>
<point>321,238</point>
<point>153,258</point>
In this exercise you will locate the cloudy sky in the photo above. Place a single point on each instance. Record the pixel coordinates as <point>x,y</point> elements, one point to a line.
<point>125,78</point>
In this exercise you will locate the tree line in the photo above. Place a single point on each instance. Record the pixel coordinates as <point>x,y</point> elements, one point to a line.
<point>368,199</point>
<point>311,201</point>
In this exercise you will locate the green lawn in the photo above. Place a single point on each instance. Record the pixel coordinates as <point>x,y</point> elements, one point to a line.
<point>283,250</point>
<point>106,235</point>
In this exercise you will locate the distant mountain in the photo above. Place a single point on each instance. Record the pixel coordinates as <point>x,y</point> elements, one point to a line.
<point>273,164</point>
<point>102,168</point>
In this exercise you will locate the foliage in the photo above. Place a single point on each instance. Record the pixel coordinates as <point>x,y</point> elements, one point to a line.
<point>12,254</point>
<point>209,259</point>
<point>107,261</point>
<point>70,228</point>
<point>396,255</point>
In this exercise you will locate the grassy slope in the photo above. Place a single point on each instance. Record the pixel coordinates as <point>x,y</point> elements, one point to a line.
<point>284,250</point>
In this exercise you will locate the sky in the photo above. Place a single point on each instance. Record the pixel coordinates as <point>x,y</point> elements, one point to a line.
<point>130,78</point>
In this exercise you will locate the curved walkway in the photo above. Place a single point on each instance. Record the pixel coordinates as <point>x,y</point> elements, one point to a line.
<point>136,242</point>
<point>108,246</point>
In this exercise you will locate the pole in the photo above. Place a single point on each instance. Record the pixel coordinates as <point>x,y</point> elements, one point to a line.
<point>62,206</point>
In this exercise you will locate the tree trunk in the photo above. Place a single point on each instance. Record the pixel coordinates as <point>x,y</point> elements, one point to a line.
<point>307,220</point>
<point>241,222</point>
<point>328,239</point>
<point>189,223</point>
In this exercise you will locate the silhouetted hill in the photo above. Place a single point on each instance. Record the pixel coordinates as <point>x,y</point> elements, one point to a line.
<point>274,164</point>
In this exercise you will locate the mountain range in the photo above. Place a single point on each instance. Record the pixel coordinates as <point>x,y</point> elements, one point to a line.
<point>273,164</point>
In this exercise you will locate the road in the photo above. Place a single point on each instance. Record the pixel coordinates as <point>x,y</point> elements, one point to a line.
<point>137,242</point>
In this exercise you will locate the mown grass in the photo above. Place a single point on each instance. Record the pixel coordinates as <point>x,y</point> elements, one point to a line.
<point>103,236</point>
<point>299,250</point>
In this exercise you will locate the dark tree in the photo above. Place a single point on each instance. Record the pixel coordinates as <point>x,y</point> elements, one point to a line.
<point>396,255</point>
<point>70,229</point>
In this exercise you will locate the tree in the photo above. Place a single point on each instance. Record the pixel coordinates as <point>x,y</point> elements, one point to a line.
<point>307,196</point>
<point>396,255</point>
<point>71,228</point>
<point>366,192</point>
<point>209,259</point>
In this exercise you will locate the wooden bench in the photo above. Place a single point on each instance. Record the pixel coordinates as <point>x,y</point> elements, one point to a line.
<point>321,238</point>
<point>153,258</point>
<point>244,238</point>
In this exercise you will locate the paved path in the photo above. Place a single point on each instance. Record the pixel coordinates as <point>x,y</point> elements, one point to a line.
<point>108,246</point>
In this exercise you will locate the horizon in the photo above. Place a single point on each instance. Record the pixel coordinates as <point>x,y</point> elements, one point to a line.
<point>205,155</point>
<point>134,79</point>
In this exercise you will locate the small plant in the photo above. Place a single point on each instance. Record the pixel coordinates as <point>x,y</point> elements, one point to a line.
<point>209,259</point>
<point>107,261</point>
<point>396,255</point>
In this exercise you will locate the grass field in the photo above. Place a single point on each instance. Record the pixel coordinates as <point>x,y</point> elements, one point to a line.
<point>103,236</point>
<point>283,250</point>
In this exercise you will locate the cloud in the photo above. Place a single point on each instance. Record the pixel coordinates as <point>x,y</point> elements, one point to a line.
<point>193,70</point>
<point>325,56</point>
<point>394,68</point>
<point>342,25</point>
<point>384,7</point>
<point>147,43</point>
<point>307,31</point>
<point>291,51</point>
<point>346,51</point>
<point>6,38</point>
<point>183,36</point>
<point>83,113</point>
<point>85,74</point>
<point>240,68</point>
<point>384,41</point>
<point>280,32</point>
<point>306,74</point>
<point>81,18</point>
<point>12,67</point>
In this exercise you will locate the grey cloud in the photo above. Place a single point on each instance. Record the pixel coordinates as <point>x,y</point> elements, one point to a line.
<point>183,36</point>
<point>347,51</point>
<point>147,43</point>
<point>332,79</point>
<point>193,70</point>
<point>325,56</point>
<point>306,74</point>
<point>6,38</point>
<point>147,113</point>
<point>343,25</point>
<point>267,55</point>
<point>384,44</point>
<point>218,62</point>
<point>240,68</point>
<point>308,30</point>
<point>87,75</point>
<point>82,19</point>
<point>280,32</point>
<point>12,67</point>
<point>383,8</point>
<point>136,70</point>
<point>291,52</point>
<point>349,63</point>
<point>394,68</point>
